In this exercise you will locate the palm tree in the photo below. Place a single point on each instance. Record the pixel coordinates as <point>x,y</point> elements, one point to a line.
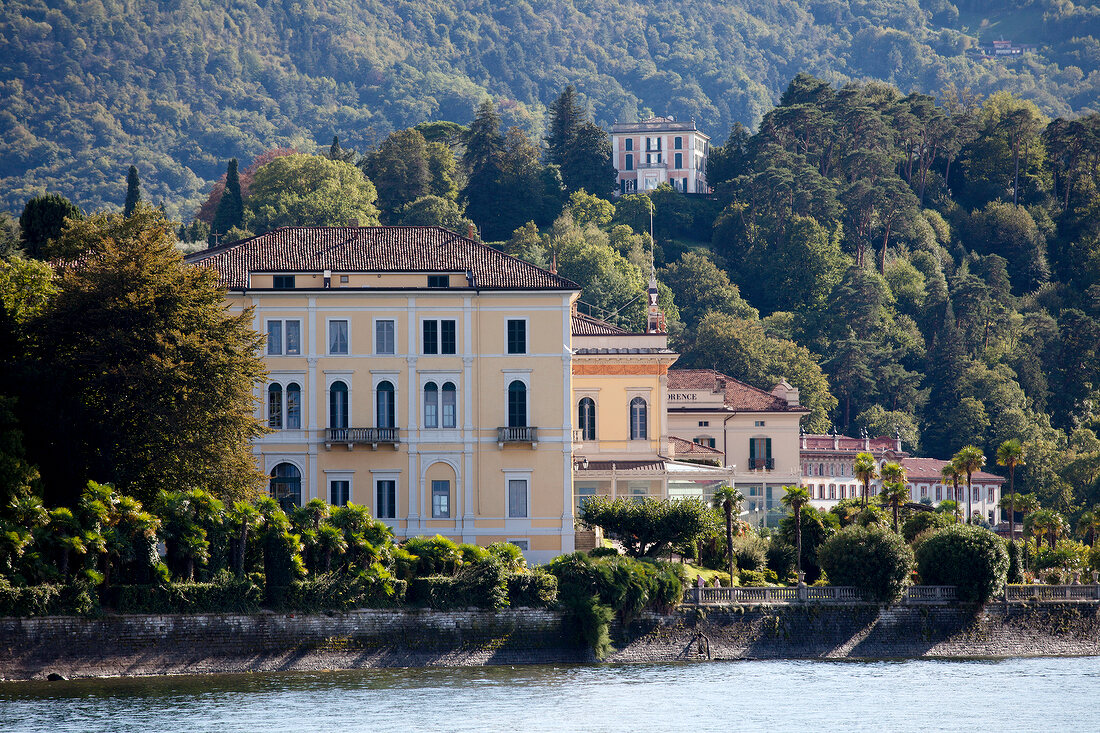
<point>894,491</point>
<point>245,515</point>
<point>1088,525</point>
<point>865,470</point>
<point>968,460</point>
<point>729,500</point>
<point>330,540</point>
<point>1011,454</point>
<point>797,497</point>
<point>950,473</point>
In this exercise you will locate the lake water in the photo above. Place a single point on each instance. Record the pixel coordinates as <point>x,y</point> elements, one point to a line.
<point>1014,695</point>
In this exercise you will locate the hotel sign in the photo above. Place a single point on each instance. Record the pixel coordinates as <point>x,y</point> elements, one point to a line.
<point>693,397</point>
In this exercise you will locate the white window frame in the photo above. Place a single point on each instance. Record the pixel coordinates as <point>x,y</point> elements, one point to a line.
<point>438,336</point>
<point>522,375</point>
<point>331,476</point>
<point>450,503</point>
<point>347,336</point>
<point>526,336</point>
<point>509,477</point>
<point>282,335</point>
<point>394,476</point>
<point>283,379</point>
<point>374,337</point>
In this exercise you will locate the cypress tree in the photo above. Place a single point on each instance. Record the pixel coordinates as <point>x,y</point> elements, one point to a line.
<point>133,192</point>
<point>484,160</point>
<point>230,211</point>
<point>566,118</point>
<point>41,222</point>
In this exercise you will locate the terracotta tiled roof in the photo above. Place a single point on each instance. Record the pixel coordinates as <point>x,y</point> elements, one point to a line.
<point>739,396</point>
<point>693,449</point>
<point>584,325</point>
<point>639,466</point>
<point>374,249</point>
<point>929,469</point>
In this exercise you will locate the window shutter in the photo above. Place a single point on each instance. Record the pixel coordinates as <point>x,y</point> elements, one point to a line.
<point>768,448</point>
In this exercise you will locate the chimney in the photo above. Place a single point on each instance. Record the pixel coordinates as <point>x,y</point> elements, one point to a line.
<point>470,231</point>
<point>328,278</point>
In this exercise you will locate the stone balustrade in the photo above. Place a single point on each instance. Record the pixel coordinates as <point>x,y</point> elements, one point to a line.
<point>914,594</point>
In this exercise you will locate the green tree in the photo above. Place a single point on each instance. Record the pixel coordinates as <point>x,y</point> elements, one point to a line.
<point>1011,454</point>
<point>435,211</point>
<point>972,559</point>
<point>796,497</point>
<point>137,373</point>
<point>1088,525</point>
<point>566,117</point>
<point>649,527</point>
<point>588,164</point>
<point>400,171</point>
<point>894,492</point>
<point>729,500</point>
<point>586,208</point>
<point>701,288</point>
<point>968,460</point>
<point>866,471</point>
<point>335,152</point>
<point>133,191</point>
<point>873,559</point>
<point>310,190</point>
<point>41,222</point>
<point>950,473</point>
<point>230,211</point>
<point>484,194</point>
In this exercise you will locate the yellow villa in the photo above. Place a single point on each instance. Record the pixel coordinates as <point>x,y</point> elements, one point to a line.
<point>416,372</point>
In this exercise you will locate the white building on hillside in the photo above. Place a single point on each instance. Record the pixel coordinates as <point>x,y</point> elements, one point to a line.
<point>660,150</point>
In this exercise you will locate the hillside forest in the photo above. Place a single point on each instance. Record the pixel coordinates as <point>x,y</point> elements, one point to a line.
<point>178,87</point>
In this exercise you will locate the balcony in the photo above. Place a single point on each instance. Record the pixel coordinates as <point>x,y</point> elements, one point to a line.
<point>518,435</point>
<point>756,464</point>
<point>362,436</point>
<point>649,166</point>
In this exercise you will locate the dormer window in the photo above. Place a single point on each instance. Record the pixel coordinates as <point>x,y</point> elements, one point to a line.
<point>439,281</point>
<point>282,282</point>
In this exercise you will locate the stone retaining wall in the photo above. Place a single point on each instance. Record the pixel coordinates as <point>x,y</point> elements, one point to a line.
<point>177,644</point>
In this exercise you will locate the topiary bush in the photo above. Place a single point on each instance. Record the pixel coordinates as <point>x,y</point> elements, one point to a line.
<point>972,559</point>
<point>874,559</point>
<point>922,521</point>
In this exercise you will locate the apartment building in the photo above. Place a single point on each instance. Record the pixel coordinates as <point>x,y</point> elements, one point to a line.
<point>660,150</point>
<point>422,374</point>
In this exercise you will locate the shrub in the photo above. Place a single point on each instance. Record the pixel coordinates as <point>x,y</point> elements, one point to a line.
<point>603,552</point>
<point>77,598</point>
<point>223,595</point>
<point>471,554</point>
<point>816,528</point>
<point>968,557</point>
<point>750,552</point>
<point>484,585</point>
<point>535,589</point>
<point>874,559</point>
<point>1015,562</point>
<point>922,521</point>
<point>509,554</point>
<point>338,592</point>
<point>1094,557</point>
<point>588,622</point>
<point>436,555</point>
<point>1068,554</point>
<point>752,578</point>
<point>781,557</point>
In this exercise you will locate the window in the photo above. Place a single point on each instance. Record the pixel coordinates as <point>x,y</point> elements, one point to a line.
<point>275,407</point>
<point>678,143</point>
<point>338,405</point>
<point>384,406</point>
<point>680,163</point>
<point>517,498</point>
<point>384,340</point>
<point>293,406</point>
<point>385,506</point>
<point>760,455</point>
<point>439,281</point>
<point>629,161</point>
<point>344,279</point>
<point>832,491</point>
<point>450,405</point>
<point>629,143</point>
<point>339,492</point>
<point>704,440</point>
<point>338,337</point>
<point>523,545</point>
<point>441,499</point>
<point>639,492</point>
<point>284,337</point>
<point>639,419</point>
<point>843,490</point>
<point>584,493</point>
<point>439,337</point>
<point>432,405</point>
<point>517,336</point>
<point>704,423</point>
<point>923,491</point>
<point>992,494</point>
<point>939,493</point>
<point>517,404</point>
<point>286,486</point>
<point>283,282</point>
<point>759,423</point>
<point>586,418</point>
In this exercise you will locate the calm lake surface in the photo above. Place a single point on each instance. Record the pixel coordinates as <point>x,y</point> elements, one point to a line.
<point>1013,695</point>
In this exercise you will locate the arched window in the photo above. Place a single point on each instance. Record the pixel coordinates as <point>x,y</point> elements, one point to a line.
<point>586,418</point>
<point>286,486</point>
<point>275,407</point>
<point>450,405</point>
<point>293,406</point>
<point>384,406</point>
<point>338,405</point>
<point>517,404</point>
<point>431,405</point>
<point>639,419</point>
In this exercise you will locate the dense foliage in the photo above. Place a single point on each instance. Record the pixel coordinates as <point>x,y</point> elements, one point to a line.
<point>971,558</point>
<point>82,101</point>
<point>650,527</point>
<point>874,559</point>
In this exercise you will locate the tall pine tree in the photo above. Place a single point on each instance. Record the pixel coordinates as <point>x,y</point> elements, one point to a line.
<point>947,365</point>
<point>566,117</point>
<point>484,193</point>
<point>230,211</point>
<point>133,192</point>
<point>579,147</point>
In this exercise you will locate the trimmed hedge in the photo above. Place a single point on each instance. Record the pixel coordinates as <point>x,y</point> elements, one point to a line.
<point>48,599</point>
<point>971,558</point>
<point>234,596</point>
<point>483,585</point>
<point>334,592</point>
<point>872,558</point>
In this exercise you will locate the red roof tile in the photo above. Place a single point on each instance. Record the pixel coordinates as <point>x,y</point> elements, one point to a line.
<point>929,469</point>
<point>738,395</point>
<point>691,448</point>
<point>373,249</point>
<point>585,325</point>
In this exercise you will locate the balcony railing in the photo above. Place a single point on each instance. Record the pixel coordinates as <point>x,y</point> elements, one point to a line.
<point>643,166</point>
<point>768,464</point>
<point>353,436</point>
<point>518,435</point>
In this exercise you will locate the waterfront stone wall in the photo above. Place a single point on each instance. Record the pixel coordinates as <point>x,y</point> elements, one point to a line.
<point>197,644</point>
